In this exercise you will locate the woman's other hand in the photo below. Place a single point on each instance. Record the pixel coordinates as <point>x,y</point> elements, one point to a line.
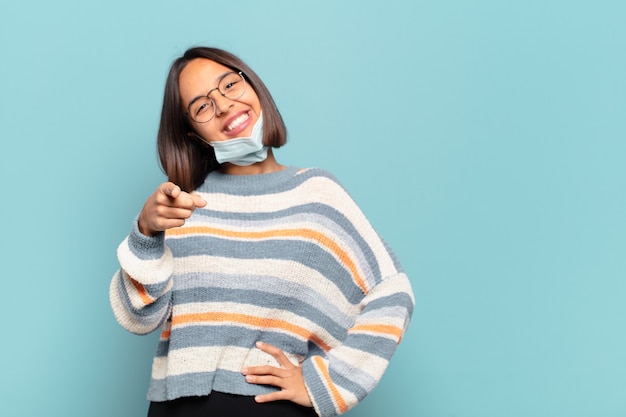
<point>167,207</point>
<point>288,378</point>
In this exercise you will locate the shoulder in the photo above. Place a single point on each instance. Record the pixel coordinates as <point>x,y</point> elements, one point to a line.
<point>322,186</point>
<point>322,180</point>
<point>317,175</point>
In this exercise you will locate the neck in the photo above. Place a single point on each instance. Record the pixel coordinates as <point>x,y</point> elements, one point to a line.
<point>264,167</point>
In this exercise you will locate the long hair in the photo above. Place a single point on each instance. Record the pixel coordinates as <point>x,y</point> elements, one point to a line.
<point>185,160</point>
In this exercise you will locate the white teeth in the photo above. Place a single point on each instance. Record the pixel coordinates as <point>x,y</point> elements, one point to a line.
<point>237,121</point>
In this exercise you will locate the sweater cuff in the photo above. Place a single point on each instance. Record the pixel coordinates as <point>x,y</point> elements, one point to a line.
<point>145,259</point>
<point>145,247</point>
<point>319,392</point>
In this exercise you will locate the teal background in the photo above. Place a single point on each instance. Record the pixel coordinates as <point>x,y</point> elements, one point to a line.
<point>484,139</point>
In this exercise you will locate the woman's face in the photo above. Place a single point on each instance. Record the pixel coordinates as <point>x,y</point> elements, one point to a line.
<point>233,118</point>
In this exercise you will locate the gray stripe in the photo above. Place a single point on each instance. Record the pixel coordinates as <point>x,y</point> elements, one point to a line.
<point>257,291</point>
<point>247,185</point>
<point>255,185</point>
<point>202,383</point>
<point>231,335</point>
<point>306,253</point>
<point>326,216</point>
<point>251,299</point>
<point>144,247</point>
<point>156,290</point>
<point>400,300</point>
<point>151,315</point>
<point>376,345</point>
<point>317,388</point>
<point>385,312</point>
<point>350,378</point>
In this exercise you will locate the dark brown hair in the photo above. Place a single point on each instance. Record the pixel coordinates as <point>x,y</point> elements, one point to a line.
<point>186,160</point>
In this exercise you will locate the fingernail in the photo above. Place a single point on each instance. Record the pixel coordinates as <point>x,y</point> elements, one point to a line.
<point>259,344</point>
<point>244,371</point>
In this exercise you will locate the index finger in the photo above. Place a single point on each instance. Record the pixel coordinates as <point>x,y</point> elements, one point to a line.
<point>278,354</point>
<point>170,190</point>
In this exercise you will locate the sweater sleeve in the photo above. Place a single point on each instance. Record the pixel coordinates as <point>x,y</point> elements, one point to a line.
<point>337,379</point>
<point>140,291</point>
<point>343,376</point>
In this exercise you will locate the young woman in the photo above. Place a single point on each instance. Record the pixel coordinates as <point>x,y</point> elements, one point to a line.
<point>273,293</point>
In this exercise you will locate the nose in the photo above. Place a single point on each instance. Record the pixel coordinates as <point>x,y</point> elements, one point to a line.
<point>221,103</point>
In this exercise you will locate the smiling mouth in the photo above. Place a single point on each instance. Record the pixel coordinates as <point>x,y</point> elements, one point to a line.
<point>239,120</point>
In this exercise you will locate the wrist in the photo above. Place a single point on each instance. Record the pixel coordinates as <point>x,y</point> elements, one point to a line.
<point>144,229</point>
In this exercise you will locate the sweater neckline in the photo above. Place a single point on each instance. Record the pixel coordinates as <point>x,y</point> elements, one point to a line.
<point>253,180</point>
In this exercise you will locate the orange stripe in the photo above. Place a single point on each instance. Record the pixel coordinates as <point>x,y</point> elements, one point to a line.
<point>331,386</point>
<point>143,294</point>
<point>249,320</point>
<point>379,328</point>
<point>305,233</point>
<point>165,334</point>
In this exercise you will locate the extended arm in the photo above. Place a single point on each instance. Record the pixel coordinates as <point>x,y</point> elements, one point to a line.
<point>140,290</point>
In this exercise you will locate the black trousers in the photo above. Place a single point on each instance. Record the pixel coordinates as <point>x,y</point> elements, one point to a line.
<point>218,404</point>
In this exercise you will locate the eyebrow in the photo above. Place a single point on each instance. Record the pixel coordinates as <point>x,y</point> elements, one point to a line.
<point>217,79</point>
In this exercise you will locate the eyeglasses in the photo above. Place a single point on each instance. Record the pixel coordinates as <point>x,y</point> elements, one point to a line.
<point>232,86</point>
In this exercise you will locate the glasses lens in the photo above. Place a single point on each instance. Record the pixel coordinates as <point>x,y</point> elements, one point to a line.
<point>232,85</point>
<point>202,110</point>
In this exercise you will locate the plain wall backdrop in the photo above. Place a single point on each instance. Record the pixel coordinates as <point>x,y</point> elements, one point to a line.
<point>485,139</point>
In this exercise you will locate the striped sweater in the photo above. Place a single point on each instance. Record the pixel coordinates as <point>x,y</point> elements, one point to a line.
<point>285,258</point>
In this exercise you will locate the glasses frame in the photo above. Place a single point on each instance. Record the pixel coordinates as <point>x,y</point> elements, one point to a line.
<point>208,96</point>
